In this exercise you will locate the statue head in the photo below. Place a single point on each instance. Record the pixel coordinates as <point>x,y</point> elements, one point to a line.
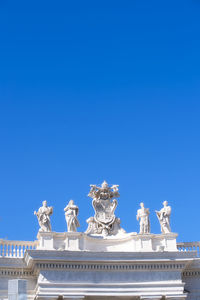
<point>44,203</point>
<point>165,203</point>
<point>141,204</point>
<point>71,202</point>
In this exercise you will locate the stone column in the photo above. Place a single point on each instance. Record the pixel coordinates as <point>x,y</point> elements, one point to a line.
<point>17,289</point>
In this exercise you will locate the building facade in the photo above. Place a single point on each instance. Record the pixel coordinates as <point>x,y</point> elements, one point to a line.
<point>105,262</point>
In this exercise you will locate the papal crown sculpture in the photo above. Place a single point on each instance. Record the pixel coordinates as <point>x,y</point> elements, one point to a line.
<point>104,222</point>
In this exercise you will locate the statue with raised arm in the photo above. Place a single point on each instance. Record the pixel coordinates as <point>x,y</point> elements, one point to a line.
<point>164,217</point>
<point>71,213</point>
<point>43,215</point>
<point>143,217</point>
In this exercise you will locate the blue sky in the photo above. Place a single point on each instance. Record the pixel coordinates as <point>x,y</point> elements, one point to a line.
<point>94,90</point>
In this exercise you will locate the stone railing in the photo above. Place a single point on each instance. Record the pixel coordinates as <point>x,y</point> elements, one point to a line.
<point>15,248</point>
<point>189,246</point>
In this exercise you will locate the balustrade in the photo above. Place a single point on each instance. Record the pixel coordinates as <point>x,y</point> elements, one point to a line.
<point>15,248</point>
<point>189,246</point>
<point>18,248</point>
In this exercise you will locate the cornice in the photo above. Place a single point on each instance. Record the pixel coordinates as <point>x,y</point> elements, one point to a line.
<point>110,266</point>
<point>12,272</point>
<point>191,273</point>
<point>107,256</point>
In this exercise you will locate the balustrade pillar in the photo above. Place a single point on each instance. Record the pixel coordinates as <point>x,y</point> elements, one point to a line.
<point>15,248</point>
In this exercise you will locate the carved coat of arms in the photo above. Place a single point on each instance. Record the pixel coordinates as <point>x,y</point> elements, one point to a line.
<point>104,221</point>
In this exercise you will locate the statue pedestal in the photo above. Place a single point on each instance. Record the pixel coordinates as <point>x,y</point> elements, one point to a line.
<point>51,240</point>
<point>131,242</point>
<point>127,242</point>
<point>74,241</point>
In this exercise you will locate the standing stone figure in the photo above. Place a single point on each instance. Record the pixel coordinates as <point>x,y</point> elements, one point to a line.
<point>164,217</point>
<point>43,216</point>
<point>143,216</point>
<point>71,213</point>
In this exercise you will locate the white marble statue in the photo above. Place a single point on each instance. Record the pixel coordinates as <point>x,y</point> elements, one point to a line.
<point>164,217</point>
<point>43,215</point>
<point>71,213</point>
<point>104,221</point>
<point>93,227</point>
<point>143,217</point>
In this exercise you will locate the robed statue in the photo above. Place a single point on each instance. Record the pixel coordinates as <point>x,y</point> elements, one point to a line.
<point>71,213</point>
<point>164,217</point>
<point>43,215</point>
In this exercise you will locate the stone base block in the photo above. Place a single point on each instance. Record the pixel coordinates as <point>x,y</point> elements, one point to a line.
<point>132,242</point>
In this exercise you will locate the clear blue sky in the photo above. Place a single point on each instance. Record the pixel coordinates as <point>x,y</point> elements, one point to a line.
<point>94,90</point>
